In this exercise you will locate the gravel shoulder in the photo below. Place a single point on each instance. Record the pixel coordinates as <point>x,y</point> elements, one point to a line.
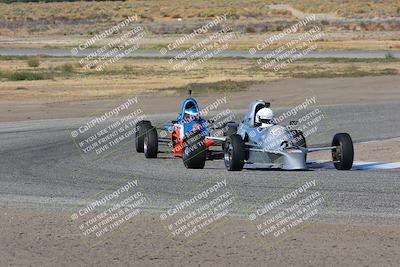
<point>235,242</point>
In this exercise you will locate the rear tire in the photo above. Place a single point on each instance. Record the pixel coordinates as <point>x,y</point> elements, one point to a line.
<point>194,152</point>
<point>150,144</point>
<point>234,153</point>
<point>230,129</point>
<point>141,128</point>
<point>344,151</point>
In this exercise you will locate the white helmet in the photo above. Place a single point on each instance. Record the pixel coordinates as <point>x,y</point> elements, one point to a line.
<point>264,117</point>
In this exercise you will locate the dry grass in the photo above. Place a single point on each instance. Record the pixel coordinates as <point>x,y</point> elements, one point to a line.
<point>368,8</point>
<point>161,16</point>
<point>157,10</point>
<point>330,41</point>
<point>149,10</point>
<point>128,76</point>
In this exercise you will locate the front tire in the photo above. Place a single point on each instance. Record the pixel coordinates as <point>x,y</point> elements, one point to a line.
<point>343,154</point>
<point>230,129</point>
<point>141,128</point>
<point>150,143</point>
<point>194,153</point>
<point>234,153</point>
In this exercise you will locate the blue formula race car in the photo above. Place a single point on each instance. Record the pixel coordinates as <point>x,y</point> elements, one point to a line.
<point>188,136</point>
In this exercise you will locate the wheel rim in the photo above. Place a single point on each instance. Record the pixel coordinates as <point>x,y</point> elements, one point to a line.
<point>337,154</point>
<point>145,144</point>
<point>228,154</point>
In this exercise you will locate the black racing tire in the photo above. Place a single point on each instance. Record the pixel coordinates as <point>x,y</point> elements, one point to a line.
<point>150,144</point>
<point>194,152</point>
<point>343,154</point>
<point>141,128</point>
<point>230,129</point>
<point>300,138</point>
<point>234,153</point>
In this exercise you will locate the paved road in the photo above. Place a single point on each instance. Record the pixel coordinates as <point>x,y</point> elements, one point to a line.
<point>61,52</point>
<point>40,167</point>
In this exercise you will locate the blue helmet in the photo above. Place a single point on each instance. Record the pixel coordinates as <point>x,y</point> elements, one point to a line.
<point>191,111</point>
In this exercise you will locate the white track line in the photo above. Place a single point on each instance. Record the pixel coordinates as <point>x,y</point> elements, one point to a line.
<point>357,165</point>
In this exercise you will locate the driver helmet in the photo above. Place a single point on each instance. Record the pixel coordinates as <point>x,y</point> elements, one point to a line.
<point>264,117</point>
<point>190,113</point>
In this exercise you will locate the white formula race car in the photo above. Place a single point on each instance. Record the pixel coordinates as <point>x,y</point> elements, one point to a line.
<point>275,146</point>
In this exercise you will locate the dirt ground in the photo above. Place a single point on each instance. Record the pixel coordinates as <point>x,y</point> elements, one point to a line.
<point>281,93</point>
<point>373,151</point>
<point>340,39</point>
<point>145,242</point>
<point>384,150</point>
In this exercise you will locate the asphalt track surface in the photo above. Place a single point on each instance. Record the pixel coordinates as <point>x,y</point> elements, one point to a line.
<point>42,169</point>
